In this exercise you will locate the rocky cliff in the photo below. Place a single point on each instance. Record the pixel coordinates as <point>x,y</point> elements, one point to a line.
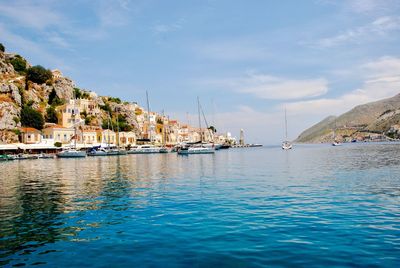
<point>376,117</point>
<point>16,90</point>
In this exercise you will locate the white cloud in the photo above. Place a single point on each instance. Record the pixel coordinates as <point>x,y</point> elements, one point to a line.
<point>33,14</point>
<point>274,88</point>
<point>376,29</point>
<point>381,80</point>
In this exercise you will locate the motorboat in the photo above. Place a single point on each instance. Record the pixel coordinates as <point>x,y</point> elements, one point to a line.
<point>195,150</point>
<point>71,153</point>
<point>145,149</point>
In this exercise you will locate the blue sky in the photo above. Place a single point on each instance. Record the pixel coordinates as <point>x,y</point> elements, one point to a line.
<point>246,60</point>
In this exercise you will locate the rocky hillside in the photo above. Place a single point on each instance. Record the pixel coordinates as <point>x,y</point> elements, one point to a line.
<point>22,85</point>
<point>376,117</point>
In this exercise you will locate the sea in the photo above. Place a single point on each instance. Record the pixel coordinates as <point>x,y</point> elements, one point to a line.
<point>313,206</point>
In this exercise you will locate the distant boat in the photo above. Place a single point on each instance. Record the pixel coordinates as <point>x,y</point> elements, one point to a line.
<point>335,141</point>
<point>195,150</point>
<point>286,145</point>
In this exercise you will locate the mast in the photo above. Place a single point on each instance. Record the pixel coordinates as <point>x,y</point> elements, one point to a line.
<point>117,136</point>
<point>148,116</point>
<point>73,116</point>
<point>108,132</point>
<point>205,120</point>
<point>198,108</point>
<point>286,136</point>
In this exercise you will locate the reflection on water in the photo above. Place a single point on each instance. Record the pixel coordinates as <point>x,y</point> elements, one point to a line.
<point>310,206</point>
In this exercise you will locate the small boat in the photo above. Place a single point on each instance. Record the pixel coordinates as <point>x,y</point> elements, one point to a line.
<point>164,150</point>
<point>145,149</point>
<point>286,145</point>
<point>5,157</point>
<point>336,143</point>
<point>195,150</point>
<point>45,156</point>
<point>225,146</point>
<point>97,152</point>
<point>71,153</point>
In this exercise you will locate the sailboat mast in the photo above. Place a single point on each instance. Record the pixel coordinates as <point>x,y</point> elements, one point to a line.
<point>73,115</point>
<point>286,136</point>
<point>117,136</point>
<point>198,108</point>
<point>148,116</point>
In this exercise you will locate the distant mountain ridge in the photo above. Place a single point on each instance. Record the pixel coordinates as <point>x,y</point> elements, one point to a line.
<point>381,116</point>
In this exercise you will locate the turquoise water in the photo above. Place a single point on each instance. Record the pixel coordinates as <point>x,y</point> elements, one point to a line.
<point>313,206</point>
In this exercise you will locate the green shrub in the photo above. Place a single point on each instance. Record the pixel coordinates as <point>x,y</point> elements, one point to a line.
<point>16,119</point>
<point>78,93</point>
<point>19,64</point>
<point>116,100</point>
<point>2,48</point>
<point>57,144</point>
<point>106,107</point>
<point>31,118</point>
<point>51,115</point>
<point>38,74</point>
<point>54,100</point>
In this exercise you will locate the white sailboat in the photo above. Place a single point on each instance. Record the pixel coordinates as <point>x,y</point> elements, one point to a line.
<point>199,148</point>
<point>335,141</point>
<point>286,145</point>
<point>72,152</point>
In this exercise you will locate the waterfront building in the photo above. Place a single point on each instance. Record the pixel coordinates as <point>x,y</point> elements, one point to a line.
<point>126,138</point>
<point>30,135</point>
<point>69,114</point>
<point>58,133</point>
<point>88,136</point>
<point>106,136</point>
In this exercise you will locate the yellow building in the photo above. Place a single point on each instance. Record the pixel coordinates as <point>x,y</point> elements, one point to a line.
<point>89,136</point>
<point>58,133</point>
<point>106,136</point>
<point>30,135</point>
<point>69,114</point>
<point>127,138</point>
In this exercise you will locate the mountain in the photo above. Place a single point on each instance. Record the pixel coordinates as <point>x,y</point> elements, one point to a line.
<point>362,122</point>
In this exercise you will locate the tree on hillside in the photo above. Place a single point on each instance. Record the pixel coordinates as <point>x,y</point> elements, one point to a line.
<point>54,100</point>
<point>2,48</point>
<point>19,64</point>
<point>31,118</point>
<point>38,74</point>
<point>51,115</point>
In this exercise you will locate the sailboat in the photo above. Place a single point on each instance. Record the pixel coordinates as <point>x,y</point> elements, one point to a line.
<point>146,148</point>
<point>335,141</point>
<point>200,147</point>
<point>72,152</point>
<point>286,145</point>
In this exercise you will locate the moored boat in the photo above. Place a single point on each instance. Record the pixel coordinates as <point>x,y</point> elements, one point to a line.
<point>71,153</point>
<point>195,150</point>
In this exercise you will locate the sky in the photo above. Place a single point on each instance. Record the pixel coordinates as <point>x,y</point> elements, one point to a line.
<point>247,61</point>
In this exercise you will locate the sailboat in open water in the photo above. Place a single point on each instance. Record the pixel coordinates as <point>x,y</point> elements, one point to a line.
<point>286,145</point>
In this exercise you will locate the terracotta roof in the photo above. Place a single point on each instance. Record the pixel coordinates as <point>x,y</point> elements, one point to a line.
<point>28,129</point>
<point>55,126</point>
